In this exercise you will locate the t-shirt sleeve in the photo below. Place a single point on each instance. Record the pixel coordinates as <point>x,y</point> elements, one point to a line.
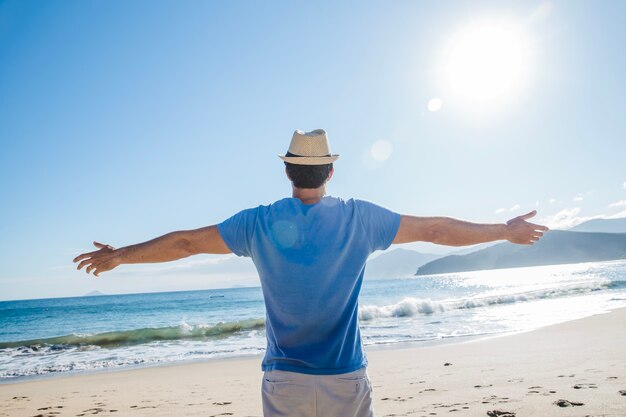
<point>380,224</point>
<point>238,231</point>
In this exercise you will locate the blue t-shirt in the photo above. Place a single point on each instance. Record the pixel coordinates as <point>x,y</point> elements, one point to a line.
<point>311,259</point>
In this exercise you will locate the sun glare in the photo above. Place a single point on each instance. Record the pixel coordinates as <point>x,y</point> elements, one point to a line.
<point>486,61</point>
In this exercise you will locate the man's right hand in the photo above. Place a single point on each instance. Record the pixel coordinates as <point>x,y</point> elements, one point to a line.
<point>519,231</point>
<point>166,248</point>
<point>101,260</point>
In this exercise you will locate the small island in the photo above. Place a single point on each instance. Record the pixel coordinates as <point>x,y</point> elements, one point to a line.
<point>93,293</point>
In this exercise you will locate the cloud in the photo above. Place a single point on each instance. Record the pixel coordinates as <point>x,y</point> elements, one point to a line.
<point>567,218</point>
<point>619,215</point>
<point>621,203</point>
<point>500,210</point>
<point>579,197</point>
<point>515,207</point>
<point>624,185</point>
<point>552,200</point>
<point>537,203</point>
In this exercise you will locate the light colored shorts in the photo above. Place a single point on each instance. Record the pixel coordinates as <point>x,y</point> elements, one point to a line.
<point>291,394</point>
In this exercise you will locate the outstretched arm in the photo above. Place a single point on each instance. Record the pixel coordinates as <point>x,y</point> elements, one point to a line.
<point>169,247</point>
<point>453,232</point>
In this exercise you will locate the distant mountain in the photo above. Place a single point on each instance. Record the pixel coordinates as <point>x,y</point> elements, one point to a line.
<point>397,263</point>
<point>602,226</point>
<point>556,247</point>
<point>473,248</point>
<point>93,293</point>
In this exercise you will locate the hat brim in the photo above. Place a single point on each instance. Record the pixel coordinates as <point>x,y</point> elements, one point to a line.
<point>309,160</point>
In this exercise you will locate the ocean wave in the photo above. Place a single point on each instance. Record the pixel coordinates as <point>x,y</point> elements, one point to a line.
<point>405,308</point>
<point>617,284</point>
<point>74,367</point>
<point>134,337</point>
<point>410,306</point>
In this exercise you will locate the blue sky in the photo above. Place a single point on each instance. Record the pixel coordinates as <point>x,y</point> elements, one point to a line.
<point>122,121</point>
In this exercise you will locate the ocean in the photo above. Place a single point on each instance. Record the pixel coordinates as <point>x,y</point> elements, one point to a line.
<point>82,334</point>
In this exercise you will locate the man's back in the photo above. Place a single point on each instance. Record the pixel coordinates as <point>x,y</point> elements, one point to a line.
<point>310,260</point>
<point>310,252</point>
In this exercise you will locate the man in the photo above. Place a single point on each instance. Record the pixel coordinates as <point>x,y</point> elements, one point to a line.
<point>310,252</point>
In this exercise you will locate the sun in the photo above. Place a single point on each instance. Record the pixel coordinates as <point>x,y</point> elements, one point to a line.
<point>487,60</point>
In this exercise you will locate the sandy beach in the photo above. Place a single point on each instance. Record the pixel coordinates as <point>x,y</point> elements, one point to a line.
<point>576,368</point>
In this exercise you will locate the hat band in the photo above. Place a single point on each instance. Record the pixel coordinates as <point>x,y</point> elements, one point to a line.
<point>302,156</point>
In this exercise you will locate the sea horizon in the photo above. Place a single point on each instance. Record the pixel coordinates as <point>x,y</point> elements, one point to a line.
<point>238,286</point>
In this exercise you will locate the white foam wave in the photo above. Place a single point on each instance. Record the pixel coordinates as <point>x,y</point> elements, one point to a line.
<point>410,306</point>
<point>406,308</point>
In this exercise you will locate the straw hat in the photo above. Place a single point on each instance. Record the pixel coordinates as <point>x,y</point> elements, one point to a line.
<point>309,148</point>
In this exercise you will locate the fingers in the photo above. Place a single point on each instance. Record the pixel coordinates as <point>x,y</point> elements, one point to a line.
<point>79,257</point>
<point>91,254</point>
<point>103,246</point>
<point>528,215</point>
<point>97,268</point>
<point>83,263</point>
<point>85,255</point>
<point>106,266</point>
<point>539,227</point>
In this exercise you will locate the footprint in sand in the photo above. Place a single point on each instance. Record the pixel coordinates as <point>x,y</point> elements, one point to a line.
<point>483,386</point>
<point>567,403</point>
<point>493,399</point>
<point>622,392</point>
<point>585,386</point>
<point>95,410</point>
<point>401,399</point>
<point>500,413</point>
<point>539,390</point>
<point>442,405</point>
<point>49,408</point>
<point>222,403</point>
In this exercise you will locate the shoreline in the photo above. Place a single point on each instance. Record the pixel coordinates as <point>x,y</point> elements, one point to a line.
<point>414,344</point>
<point>258,356</point>
<point>581,361</point>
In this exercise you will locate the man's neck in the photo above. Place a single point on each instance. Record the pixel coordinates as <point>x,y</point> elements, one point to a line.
<point>309,195</point>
